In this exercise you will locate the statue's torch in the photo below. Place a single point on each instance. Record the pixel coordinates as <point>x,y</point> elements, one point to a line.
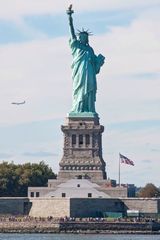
<point>69,10</point>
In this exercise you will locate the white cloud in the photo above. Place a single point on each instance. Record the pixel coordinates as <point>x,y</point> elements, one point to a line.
<point>14,9</point>
<point>36,72</point>
<point>131,52</point>
<point>29,30</point>
<point>132,49</point>
<point>136,145</point>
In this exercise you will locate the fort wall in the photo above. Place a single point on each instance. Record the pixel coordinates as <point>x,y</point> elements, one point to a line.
<point>144,205</point>
<point>14,206</point>
<point>55,207</point>
<point>76,207</point>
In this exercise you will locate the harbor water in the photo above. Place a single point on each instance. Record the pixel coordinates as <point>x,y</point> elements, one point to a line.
<point>76,237</point>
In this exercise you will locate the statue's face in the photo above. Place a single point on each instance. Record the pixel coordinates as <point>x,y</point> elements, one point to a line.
<point>83,37</point>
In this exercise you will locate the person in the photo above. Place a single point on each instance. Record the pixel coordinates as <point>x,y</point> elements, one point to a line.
<point>85,66</point>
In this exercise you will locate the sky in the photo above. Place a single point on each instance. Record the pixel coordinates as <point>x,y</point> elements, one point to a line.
<point>35,66</point>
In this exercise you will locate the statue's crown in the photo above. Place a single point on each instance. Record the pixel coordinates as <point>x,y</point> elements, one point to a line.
<point>84,31</point>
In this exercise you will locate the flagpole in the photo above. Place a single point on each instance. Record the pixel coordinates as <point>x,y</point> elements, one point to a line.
<point>119,172</point>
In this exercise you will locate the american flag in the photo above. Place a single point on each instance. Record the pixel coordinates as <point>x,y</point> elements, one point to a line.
<point>126,160</point>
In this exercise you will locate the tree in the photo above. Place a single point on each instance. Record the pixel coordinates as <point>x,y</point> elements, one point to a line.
<point>15,179</point>
<point>150,190</point>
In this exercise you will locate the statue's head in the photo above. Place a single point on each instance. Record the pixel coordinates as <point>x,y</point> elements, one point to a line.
<point>84,36</point>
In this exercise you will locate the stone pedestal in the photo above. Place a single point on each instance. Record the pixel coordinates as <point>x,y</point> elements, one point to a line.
<point>82,152</point>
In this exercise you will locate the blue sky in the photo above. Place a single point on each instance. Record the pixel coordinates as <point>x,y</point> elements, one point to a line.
<point>35,64</point>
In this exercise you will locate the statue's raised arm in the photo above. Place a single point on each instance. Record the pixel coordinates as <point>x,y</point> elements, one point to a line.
<point>71,27</point>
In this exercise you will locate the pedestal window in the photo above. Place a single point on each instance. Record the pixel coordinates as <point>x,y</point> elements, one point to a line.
<point>80,139</point>
<point>73,139</point>
<point>63,194</point>
<point>89,195</point>
<point>87,139</point>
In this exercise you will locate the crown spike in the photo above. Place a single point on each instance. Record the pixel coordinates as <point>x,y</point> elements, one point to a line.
<point>84,31</point>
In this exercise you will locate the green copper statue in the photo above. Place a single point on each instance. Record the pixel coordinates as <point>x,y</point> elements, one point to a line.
<point>85,66</point>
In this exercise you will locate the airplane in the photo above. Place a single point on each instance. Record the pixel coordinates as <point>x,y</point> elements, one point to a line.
<point>18,103</point>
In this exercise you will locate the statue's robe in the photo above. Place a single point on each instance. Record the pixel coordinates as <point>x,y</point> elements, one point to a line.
<point>85,66</point>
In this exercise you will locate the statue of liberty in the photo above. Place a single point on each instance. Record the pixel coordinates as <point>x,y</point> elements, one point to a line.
<point>85,66</point>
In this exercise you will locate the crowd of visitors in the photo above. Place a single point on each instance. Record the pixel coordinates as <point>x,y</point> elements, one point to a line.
<point>4,218</point>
